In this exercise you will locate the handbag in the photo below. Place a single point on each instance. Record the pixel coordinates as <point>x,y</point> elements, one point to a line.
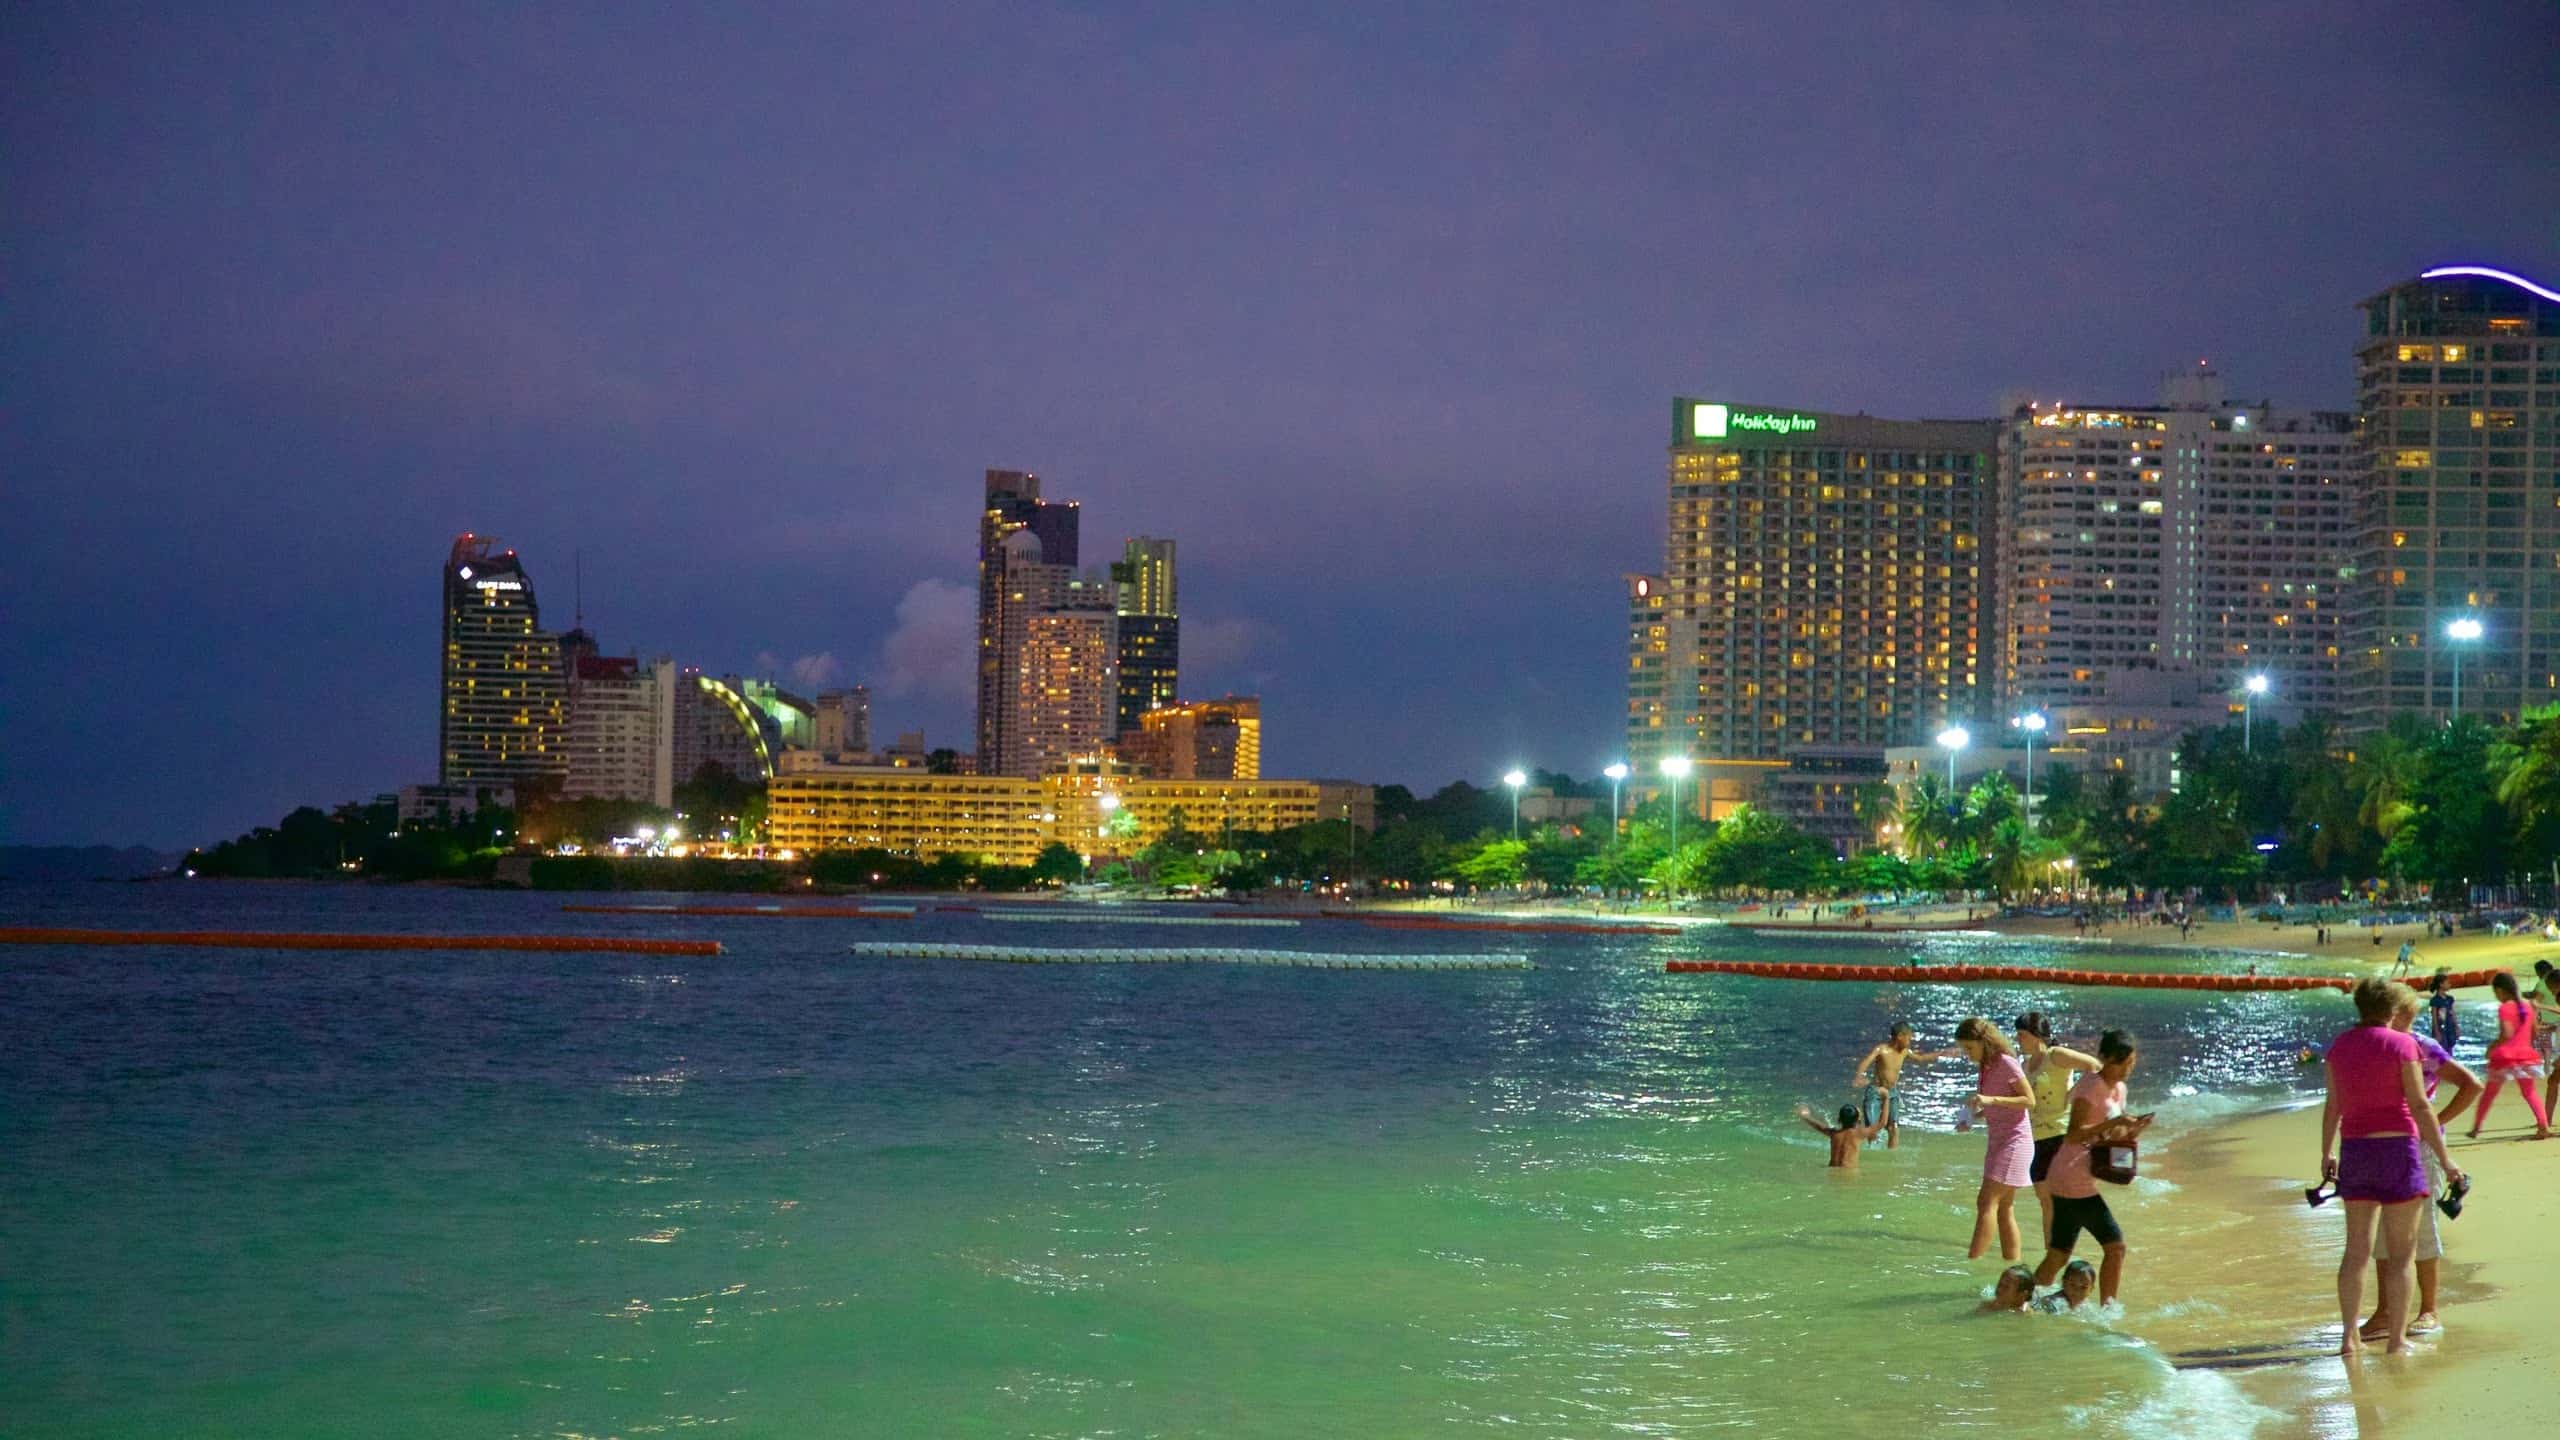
<point>2114,1161</point>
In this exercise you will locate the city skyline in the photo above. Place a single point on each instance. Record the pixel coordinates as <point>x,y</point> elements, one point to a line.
<point>250,375</point>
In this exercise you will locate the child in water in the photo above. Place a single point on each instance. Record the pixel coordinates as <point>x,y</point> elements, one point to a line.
<point>2009,1296</point>
<point>1845,1137</point>
<point>2079,1278</point>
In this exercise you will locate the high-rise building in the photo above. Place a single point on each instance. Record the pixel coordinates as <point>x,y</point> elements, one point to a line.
<point>844,721</point>
<point>504,699</point>
<point>2151,557</point>
<point>717,724</point>
<point>1150,630</point>
<point>622,727</point>
<point>1199,740</point>
<point>1058,641</point>
<point>1648,662</point>
<point>1012,506</point>
<point>1825,582</point>
<point>2458,394</point>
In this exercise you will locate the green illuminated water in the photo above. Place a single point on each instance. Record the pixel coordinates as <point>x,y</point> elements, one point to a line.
<point>786,1192</point>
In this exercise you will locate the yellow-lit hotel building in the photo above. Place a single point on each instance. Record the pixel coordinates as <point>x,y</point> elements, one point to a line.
<point>1008,820</point>
<point>1824,583</point>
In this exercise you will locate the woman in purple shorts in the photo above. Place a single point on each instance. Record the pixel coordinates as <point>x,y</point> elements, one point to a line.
<point>2003,1098</point>
<point>2378,1103</point>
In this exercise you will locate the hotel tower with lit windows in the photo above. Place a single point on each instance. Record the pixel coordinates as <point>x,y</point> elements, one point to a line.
<point>2458,394</point>
<point>504,715</point>
<point>1825,583</point>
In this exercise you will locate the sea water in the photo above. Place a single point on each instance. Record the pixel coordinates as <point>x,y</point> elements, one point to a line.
<point>787,1191</point>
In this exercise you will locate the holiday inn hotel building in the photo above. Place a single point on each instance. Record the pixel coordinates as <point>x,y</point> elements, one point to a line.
<point>1824,583</point>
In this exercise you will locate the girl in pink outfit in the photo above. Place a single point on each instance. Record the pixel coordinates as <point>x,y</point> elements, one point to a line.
<point>2003,1098</point>
<point>2373,1133</point>
<point>2513,1057</point>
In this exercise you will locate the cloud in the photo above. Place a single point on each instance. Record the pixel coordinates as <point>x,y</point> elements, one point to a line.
<point>817,672</point>
<point>1221,651</point>
<point>931,654</point>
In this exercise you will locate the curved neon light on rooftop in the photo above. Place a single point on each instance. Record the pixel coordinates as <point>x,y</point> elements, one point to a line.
<point>2483,272</point>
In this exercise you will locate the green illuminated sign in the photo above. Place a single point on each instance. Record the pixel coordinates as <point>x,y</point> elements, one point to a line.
<point>1717,422</point>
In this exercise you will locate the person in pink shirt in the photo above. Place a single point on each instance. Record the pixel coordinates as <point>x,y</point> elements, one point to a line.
<point>2097,1116</point>
<point>2371,1129</point>
<point>2003,1098</point>
<point>2513,1057</point>
<point>2436,1067</point>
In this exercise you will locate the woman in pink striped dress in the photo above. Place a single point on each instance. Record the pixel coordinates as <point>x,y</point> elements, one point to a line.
<point>2004,1099</point>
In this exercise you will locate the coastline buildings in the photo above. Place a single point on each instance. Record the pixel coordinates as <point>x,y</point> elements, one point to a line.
<point>1012,507</point>
<point>1150,643</point>
<point>504,700</point>
<point>1009,819</point>
<point>1058,643</point>
<point>2152,557</point>
<point>622,727</point>
<point>1198,740</point>
<point>2458,398</point>
<point>1823,584</point>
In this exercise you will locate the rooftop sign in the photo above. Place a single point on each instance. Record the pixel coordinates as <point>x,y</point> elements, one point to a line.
<point>1720,422</point>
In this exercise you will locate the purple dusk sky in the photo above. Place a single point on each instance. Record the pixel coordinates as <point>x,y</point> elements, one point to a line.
<point>1376,309</point>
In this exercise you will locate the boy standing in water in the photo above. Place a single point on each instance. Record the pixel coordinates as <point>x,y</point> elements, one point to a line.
<point>1845,1137</point>
<point>1884,1110</point>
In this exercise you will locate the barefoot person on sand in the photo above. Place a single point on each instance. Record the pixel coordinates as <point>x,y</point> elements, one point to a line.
<point>2051,1069</point>
<point>2513,1057</point>
<point>1884,1108</point>
<point>2003,1098</point>
<point>2371,1130</point>
<point>2434,1066</point>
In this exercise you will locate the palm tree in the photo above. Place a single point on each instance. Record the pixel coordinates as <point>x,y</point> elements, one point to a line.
<point>1927,818</point>
<point>1876,806</point>
<point>2527,764</point>
<point>2386,775</point>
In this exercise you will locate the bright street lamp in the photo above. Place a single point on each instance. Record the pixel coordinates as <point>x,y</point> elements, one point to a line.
<point>1675,768</point>
<point>1617,774</point>
<point>1515,780</point>
<point>2466,630</point>
<point>1954,738</point>
<point>2031,725</point>
<point>2250,689</point>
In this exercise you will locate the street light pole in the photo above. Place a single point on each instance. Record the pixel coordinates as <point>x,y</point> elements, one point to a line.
<point>2463,631</point>
<point>2251,689</point>
<point>1954,738</point>
<point>1515,780</point>
<point>1675,767</point>
<point>2031,725</point>
<point>1617,774</point>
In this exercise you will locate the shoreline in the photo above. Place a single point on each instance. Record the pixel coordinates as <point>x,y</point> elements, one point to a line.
<point>2253,1272</point>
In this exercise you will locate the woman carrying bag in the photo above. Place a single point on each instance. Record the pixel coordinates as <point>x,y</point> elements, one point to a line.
<point>2097,1121</point>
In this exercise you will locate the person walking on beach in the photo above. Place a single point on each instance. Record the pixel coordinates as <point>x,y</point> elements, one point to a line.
<point>2003,1098</point>
<point>2544,997</point>
<point>2440,1022</point>
<point>2408,960</point>
<point>2513,1057</point>
<point>1845,1137</point>
<point>1883,1100</point>
<point>2372,1127</point>
<point>2097,1117</point>
<point>2434,1066</point>
<point>2050,1071</point>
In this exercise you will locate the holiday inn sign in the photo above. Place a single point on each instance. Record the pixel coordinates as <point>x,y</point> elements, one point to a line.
<point>1717,422</point>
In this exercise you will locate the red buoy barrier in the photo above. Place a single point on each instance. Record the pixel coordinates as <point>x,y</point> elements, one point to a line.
<point>257,940</point>
<point>1508,927</point>
<point>1963,974</point>
<point>771,912</point>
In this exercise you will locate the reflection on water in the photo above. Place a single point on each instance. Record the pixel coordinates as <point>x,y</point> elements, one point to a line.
<point>802,1193</point>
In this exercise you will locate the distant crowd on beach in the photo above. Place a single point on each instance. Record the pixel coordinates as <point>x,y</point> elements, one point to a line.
<point>2055,1121</point>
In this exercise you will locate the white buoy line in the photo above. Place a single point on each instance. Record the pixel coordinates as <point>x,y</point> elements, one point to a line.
<point>1108,918</point>
<point>1304,959</point>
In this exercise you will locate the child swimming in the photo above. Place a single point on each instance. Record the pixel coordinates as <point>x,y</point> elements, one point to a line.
<point>1845,1137</point>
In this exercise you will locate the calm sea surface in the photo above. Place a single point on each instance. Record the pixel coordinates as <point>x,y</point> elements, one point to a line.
<point>792,1192</point>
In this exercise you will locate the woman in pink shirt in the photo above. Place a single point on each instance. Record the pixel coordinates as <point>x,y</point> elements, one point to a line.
<point>2003,1098</point>
<point>2378,1104</point>
<point>2513,1057</point>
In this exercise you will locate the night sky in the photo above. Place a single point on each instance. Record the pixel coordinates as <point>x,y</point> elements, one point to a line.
<point>1378,314</point>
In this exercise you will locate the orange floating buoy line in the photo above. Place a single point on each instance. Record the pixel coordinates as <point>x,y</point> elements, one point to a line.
<point>257,940</point>
<point>1508,927</point>
<point>796,912</point>
<point>2034,974</point>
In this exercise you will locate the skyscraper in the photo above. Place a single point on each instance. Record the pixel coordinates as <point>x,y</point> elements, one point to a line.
<point>622,727</point>
<point>1825,583</point>
<point>1013,505</point>
<point>503,710</point>
<point>1150,630</point>
<point>1058,645</point>
<point>2151,557</point>
<point>2458,394</point>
